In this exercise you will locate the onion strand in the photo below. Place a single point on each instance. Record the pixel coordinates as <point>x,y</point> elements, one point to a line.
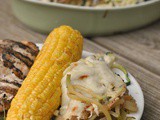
<point>89,91</point>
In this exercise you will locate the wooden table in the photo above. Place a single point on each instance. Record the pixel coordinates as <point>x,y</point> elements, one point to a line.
<point>138,51</point>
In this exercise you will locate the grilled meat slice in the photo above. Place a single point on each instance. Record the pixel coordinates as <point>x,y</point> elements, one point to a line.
<point>16,58</point>
<point>25,48</point>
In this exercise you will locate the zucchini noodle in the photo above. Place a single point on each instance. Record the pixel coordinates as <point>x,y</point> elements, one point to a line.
<point>68,80</point>
<point>120,67</point>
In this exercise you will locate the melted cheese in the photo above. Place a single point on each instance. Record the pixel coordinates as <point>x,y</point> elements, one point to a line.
<point>93,74</point>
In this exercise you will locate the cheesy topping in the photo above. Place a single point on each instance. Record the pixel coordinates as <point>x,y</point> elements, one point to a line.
<point>92,73</point>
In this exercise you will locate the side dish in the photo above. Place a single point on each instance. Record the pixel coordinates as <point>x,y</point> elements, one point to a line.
<point>39,95</point>
<point>92,91</point>
<point>97,3</point>
<point>16,58</point>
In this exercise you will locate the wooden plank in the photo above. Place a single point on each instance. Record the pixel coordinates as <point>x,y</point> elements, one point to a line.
<point>12,28</point>
<point>141,47</point>
<point>148,81</point>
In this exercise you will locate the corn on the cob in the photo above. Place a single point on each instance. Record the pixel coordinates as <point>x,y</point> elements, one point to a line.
<point>39,95</point>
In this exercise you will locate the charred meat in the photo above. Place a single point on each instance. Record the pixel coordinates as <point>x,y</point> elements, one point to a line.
<point>16,58</point>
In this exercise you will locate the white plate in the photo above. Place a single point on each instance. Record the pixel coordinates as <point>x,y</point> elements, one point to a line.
<point>134,89</point>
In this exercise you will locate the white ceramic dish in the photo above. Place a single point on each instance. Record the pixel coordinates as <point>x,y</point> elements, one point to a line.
<point>90,21</point>
<point>134,89</point>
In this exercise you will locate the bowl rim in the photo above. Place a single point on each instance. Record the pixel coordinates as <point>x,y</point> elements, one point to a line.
<point>92,8</point>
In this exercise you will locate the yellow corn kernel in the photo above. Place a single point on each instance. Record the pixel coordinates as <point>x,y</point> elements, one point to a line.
<point>39,95</point>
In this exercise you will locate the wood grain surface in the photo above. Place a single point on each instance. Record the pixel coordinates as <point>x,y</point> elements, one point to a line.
<point>138,51</point>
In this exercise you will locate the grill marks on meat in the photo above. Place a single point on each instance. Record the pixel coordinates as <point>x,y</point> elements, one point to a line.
<point>14,64</point>
<point>23,58</point>
<point>30,45</point>
<point>16,58</point>
<point>27,49</point>
<point>10,65</point>
<point>14,82</point>
<point>8,88</point>
<point>18,63</point>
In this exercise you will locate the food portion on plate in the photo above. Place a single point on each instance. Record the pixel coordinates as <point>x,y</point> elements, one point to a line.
<point>92,91</point>
<point>97,3</point>
<point>16,59</point>
<point>61,84</point>
<point>39,95</point>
